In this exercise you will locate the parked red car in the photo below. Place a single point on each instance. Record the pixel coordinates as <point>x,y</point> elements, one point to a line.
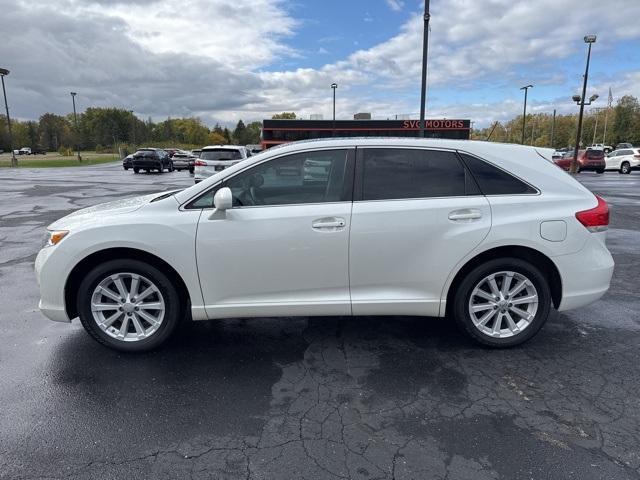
<point>588,160</point>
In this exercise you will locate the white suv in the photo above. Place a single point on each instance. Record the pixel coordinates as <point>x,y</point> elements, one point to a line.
<point>216,158</point>
<point>623,160</point>
<point>492,235</point>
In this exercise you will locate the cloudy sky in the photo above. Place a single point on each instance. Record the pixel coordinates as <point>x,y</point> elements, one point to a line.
<point>223,60</point>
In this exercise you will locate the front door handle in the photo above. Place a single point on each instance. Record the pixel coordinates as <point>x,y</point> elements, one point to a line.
<point>328,224</point>
<point>465,215</point>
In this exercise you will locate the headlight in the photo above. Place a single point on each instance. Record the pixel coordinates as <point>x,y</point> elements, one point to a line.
<point>55,237</point>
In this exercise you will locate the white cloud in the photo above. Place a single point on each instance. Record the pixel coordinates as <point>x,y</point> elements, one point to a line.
<point>395,5</point>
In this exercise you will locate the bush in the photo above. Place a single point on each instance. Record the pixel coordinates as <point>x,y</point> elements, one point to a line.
<point>65,151</point>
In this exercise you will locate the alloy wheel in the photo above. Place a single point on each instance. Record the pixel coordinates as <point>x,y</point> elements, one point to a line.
<point>503,304</point>
<point>127,307</point>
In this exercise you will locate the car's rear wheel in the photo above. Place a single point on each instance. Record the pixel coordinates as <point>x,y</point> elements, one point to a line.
<point>136,170</point>
<point>160,168</point>
<point>503,302</point>
<point>128,305</point>
<point>625,168</point>
<point>600,170</point>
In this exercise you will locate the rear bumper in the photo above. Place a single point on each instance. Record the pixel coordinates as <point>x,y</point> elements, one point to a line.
<point>146,163</point>
<point>586,275</point>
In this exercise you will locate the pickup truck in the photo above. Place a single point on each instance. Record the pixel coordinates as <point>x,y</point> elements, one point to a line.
<point>29,151</point>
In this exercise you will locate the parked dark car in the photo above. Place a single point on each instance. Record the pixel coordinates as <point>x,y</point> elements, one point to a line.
<point>623,145</point>
<point>127,162</point>
<point>151,159</point>
<point>588,160</point>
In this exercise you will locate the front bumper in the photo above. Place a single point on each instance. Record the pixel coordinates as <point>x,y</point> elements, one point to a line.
<point>50,277</point>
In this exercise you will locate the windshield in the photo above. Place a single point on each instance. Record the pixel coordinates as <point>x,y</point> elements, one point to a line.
<point>221,154</point>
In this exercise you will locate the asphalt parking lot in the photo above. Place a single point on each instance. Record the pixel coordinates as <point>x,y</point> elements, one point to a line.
<point>313,398</point>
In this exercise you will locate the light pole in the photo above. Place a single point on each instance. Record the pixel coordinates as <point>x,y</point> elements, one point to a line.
<point>334,86</point>
<point>75,120</point>
<point>425,50</point>
<point>553,129</point>
<point>580,100</point>
<point>524,112</point>
<point>133,119</point>
<point>14,161</point>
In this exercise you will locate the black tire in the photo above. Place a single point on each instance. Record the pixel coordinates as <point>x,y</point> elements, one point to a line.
<point>174,311</point>
<point>600,170</point>
<point>625,168</point>
<point>461,298</point>
<point>126,168</point>
<point>160,169</point>
<point>171,167</point>
<point>136,170</point>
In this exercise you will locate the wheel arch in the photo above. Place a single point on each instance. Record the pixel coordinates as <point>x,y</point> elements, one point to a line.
<point>531,255</point>
<point>86,264</point>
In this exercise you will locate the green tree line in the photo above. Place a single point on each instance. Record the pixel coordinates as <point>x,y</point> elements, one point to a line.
<point>104,129</point>
<point>622,123</point>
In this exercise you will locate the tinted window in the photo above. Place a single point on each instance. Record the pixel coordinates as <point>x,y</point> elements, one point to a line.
<point>626,152</point>
<point>221,154</point>
<point>312,177</point>
<point>492,180</point>
<point>394,173</point>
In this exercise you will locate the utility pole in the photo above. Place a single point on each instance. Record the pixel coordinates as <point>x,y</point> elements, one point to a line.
<point>75,120</point>
<point>14,160</point>
<point>553,128</point>
<point>606,113</point>
<point>425,51</point>
<point>597,112</point>
<point>334,86</point>
<point>524,111</point>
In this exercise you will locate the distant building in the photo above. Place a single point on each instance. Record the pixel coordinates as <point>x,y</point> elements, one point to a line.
<point>275,132</point>
<point>362,116</point>
<point>315,116</point>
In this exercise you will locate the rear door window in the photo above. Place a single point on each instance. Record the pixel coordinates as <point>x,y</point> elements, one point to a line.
<point>400,173</point>
<point>495,181</point>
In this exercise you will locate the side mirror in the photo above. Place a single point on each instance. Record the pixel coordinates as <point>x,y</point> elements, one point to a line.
<point>223,199</point>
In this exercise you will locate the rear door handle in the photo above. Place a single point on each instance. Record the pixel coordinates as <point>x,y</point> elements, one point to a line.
<point>465,215</point>
<point>328,223</point>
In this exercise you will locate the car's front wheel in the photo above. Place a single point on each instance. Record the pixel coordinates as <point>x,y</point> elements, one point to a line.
<point>136,170</point>
<point>128,305</point>
<point>503,302</point>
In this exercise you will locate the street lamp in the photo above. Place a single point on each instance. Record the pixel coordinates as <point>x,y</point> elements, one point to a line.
<point>425,49</point>
<point>334,86</point>
<point>579,99</point>
<point>75,120</point>
<point>14,161</point>
<point>524,112</point>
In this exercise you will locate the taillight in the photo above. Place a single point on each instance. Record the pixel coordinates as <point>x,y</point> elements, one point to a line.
<point>595,219</point>
<point>637,155</point>
<point>200,163</point>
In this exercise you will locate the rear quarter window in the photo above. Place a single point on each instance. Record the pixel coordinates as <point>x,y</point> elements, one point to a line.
<point>495,181</point>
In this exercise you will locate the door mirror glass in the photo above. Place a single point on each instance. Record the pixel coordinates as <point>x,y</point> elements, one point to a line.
<point>223,199</point>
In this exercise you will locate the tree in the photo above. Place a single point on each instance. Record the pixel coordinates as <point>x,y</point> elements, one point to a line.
<point>626,120</point>
<point>216,138</point>
<point>284,116</point>
<point>240,133</point>
<point>254,132</point>
<point>227,135</point>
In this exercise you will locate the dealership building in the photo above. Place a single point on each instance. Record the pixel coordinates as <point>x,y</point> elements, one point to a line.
<point>275,132</point>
